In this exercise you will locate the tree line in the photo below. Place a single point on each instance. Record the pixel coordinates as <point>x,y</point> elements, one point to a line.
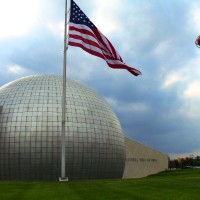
<point>188,162</point>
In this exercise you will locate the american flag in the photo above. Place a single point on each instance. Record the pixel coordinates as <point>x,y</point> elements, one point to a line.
<point>84,34</point>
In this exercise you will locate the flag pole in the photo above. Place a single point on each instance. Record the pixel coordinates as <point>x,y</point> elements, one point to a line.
<point>63,168</point>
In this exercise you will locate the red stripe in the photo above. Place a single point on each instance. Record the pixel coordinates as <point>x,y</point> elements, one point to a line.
<point>89,42</point>
<point>101,45</point>
<point>97,37</point>
<point>86,49</point>
<point>96,32</point>
<point>86,41</point>
<point>86,32</point>
<point>83,31</point>
<point>111,46</point>
<point>113,52</point>
<point>133,71</point>
<point>117,55</point>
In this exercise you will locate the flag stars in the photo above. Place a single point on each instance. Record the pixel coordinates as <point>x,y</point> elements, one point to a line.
<point>77,16</point>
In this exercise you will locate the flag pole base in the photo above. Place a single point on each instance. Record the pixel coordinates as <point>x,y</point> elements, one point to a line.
<point>63,179</point>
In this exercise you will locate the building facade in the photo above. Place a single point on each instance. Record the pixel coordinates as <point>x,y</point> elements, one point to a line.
<point>142,161</point>
<point>30,132</point>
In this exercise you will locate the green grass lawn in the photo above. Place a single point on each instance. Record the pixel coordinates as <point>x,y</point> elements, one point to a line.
<point>171,185</point>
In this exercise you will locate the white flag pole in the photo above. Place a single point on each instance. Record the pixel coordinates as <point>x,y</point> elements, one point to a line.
<point>63,167</point>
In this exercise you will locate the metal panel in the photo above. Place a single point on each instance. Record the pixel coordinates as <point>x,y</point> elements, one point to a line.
<point>30,126</point>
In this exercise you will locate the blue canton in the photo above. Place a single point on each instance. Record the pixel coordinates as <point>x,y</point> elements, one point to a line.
<point>77,16</point>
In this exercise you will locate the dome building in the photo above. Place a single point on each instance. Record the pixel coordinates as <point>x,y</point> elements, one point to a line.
<point>30,132</point>
<point>95,147</point>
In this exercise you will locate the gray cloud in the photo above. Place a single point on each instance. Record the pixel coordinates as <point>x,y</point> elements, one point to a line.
<point>157,37</point>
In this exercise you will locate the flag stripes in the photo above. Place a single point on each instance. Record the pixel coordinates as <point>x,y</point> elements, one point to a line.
<point>84,34</point>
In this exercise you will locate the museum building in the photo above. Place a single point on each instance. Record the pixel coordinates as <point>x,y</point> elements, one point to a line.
<point>96,148</point>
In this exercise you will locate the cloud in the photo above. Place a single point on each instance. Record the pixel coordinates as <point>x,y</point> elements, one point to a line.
<point>163,48</point>
<point>195,13</point>
<point>12,72</point>
<point>57,28</point>
<point>157,108</point>
<point>133,107</point>
<point>191,111</point>
<point>193,90</point>
<point>105,16</point>
<point>15,69</point>
<point>17,18</point>
<point>172,79</point>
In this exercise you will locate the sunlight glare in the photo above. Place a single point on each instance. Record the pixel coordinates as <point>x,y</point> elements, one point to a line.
<point>17,17</point>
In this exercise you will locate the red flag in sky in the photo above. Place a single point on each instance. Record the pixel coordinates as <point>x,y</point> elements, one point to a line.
<point>84,34</point>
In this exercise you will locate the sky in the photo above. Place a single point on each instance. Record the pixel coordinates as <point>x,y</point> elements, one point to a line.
<point>160,108</point>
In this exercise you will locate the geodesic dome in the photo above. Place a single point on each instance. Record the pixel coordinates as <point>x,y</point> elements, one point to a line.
<point>30,131</point>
